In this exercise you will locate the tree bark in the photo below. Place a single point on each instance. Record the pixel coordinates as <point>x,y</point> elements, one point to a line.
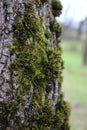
<point>8,11</point>
<point>30,106</point>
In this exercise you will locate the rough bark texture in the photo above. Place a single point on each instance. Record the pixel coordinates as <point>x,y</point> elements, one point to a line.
<point>20,108</point>
<point>8,11</point>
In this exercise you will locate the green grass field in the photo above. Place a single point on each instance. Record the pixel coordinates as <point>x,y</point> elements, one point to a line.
<point>75,84</point>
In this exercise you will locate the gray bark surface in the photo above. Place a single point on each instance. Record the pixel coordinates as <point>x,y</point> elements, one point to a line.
<point>8,11</point>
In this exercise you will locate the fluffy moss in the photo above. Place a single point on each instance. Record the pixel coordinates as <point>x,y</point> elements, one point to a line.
<point>35,64</point>
<point>56,7</point>
<point>56,27</point>
<point>53,65</point>
<point>44,1</point>
<point>48,34</point>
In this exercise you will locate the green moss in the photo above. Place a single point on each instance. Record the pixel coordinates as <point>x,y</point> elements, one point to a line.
<point>34,66</point>
<point>44,1</point>
<point>48,34</point>
<point>65,108</point>
<point>56,7</point>
<point>58,120</point>
<point>8,112</point>
<point>55,27</point>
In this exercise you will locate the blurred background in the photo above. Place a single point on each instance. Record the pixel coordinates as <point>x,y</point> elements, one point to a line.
<point>74,45</point>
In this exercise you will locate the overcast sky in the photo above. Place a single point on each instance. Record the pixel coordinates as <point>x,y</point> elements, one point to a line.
<point>75,10</point>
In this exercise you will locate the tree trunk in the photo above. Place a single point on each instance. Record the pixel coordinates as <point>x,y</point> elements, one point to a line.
<point>85,53</point>
<point>7,16</point>
<point>30,89</point>
<point>6,20</point>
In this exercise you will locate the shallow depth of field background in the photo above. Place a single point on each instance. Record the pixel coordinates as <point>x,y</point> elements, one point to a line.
<point>74,46</point>
<point>75,83</point>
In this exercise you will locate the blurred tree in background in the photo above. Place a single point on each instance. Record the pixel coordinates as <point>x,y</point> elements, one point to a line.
<point>83,29</point>
<point>75,28</point>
